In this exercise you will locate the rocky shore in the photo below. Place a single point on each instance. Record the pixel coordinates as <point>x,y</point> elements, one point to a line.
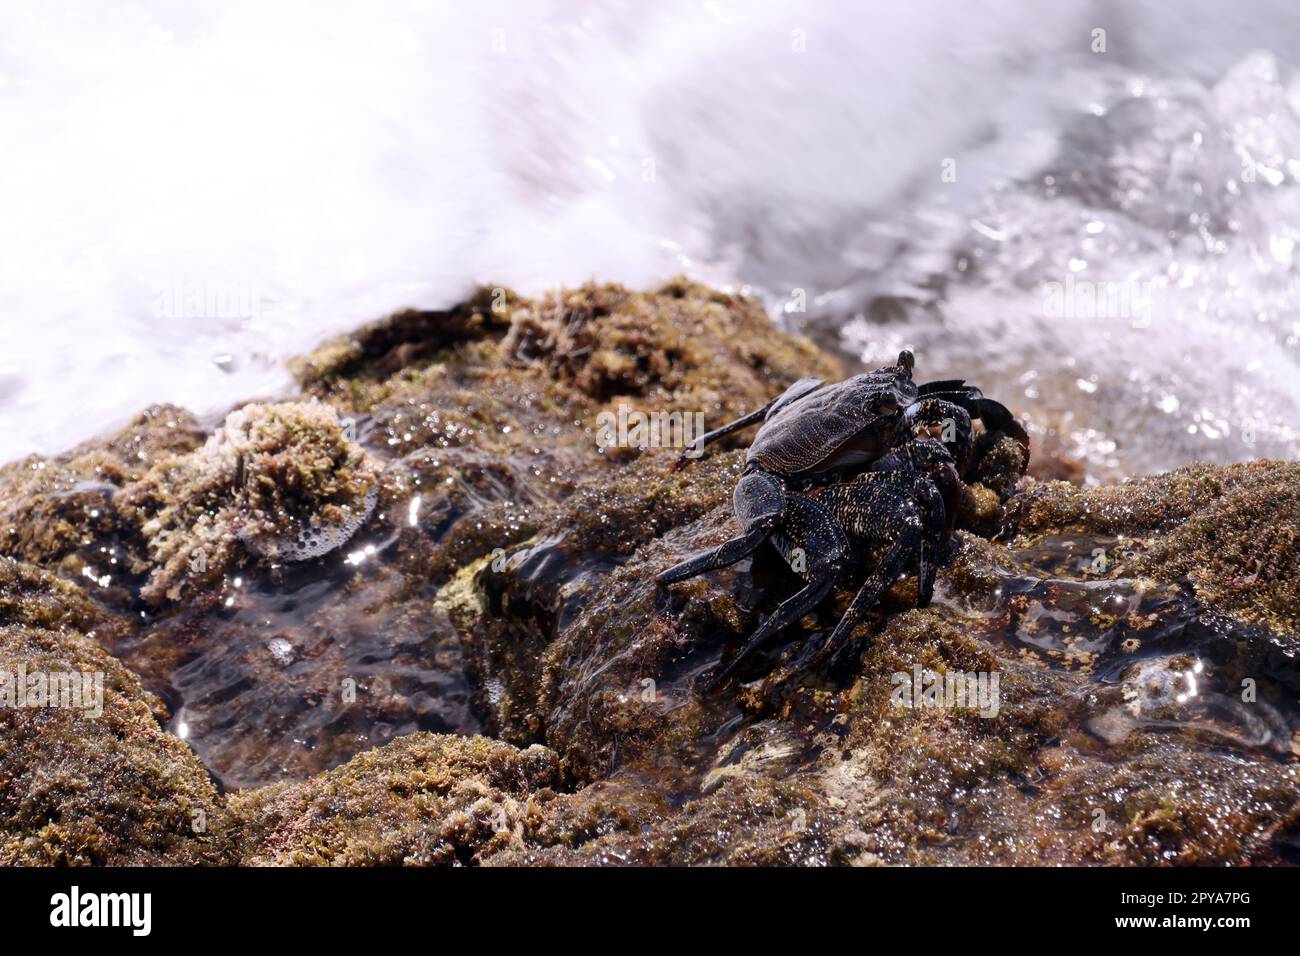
<point>409,617</point>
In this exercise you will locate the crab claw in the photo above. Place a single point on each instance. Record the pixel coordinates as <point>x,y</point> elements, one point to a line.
<point>997,417</point>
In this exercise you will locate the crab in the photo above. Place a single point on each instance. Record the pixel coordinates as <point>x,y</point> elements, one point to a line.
<point>840,471</point>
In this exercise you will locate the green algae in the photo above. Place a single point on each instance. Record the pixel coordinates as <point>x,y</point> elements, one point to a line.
<point>33,597</point>
<point>422,800</point>
<point>59,512</point>
<point>269,477</point>
<point>100,783</point>
<point>393,346</point>
<point>573,353</point>
<point>108,789</point>
<point>1232,531</point>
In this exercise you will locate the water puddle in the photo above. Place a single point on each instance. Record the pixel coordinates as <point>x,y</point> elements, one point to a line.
<point>304,669</point>
<point>1156,661</point>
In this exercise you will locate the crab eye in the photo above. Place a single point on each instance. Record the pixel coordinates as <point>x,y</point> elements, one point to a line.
<point>906,359</point>
<point>886,404</point>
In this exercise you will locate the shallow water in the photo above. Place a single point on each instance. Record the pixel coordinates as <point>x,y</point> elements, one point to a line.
<point>299,668</point>
<point>1156,661</point>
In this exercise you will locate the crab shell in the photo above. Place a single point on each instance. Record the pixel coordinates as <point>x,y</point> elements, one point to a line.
<point>814,427</point>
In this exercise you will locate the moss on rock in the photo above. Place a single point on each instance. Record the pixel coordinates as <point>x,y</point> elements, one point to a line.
<point>107,789</point>
<point>280,481</point>
<point>59,512</point>
<point>34,597</point>
<point>424,800</point>
<point>1232,531</point>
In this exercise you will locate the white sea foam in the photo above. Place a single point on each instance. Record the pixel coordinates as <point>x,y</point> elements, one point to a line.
<point>190,192</point>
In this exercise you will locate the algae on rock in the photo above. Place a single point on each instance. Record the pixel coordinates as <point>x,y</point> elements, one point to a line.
<point>420,800</point>
<point>275,481</point>
<point>499,549</point>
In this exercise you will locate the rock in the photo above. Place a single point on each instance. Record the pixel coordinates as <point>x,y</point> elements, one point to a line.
<point>87,775</point>
<point>1106,675</point>
<point>1233,532</point>
<point>59,512</point>
<point>280,482</point>
<point>421,800</point>
<point>33,597</point>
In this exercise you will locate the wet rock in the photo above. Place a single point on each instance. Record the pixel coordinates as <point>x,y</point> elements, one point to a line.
<point>59,512</point>
<point>33,597</point>
<point>423,800</point>
<point>402,342</point>
<point>747,821</point>
<point>87,775</point>
<point>289,559</point>
<point>549,586</point>
<point>1233,532</point>
<point>683,346</point>
<point>1028,777</point>
<point>277,482</point>
<point>442,538</point>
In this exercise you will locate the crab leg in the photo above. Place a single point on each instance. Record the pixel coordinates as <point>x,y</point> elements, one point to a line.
<point>759,502</point>
<point>696,448</point>
<point>935,535</point>
<point>892,567</point>
<point>809,530</point>
<point>729,552</point>
<point>994,415</point>
<point>789,611</point>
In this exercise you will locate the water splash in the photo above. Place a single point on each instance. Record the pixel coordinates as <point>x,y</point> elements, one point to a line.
<point>194,192</point>
<point>1136,294</point>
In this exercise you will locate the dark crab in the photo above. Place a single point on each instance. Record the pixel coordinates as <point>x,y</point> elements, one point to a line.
<point>839,472</point>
